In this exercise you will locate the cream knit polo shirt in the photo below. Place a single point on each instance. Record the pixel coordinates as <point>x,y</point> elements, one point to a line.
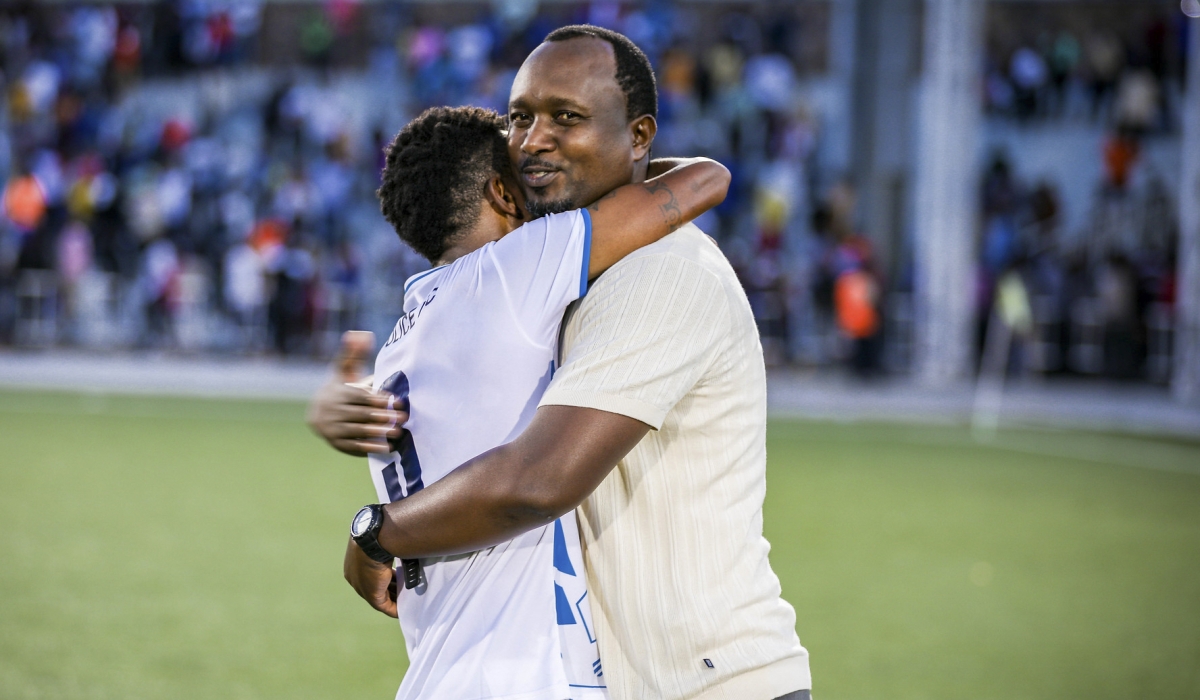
<point>684,599</point>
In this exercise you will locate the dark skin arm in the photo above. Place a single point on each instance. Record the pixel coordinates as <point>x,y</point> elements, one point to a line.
<point>636,215</point>
<point>549,469</point>
<point>557,462</point>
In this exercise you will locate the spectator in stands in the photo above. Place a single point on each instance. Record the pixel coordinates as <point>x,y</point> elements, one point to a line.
<point>74,259</point>
<point>24,202</point>
<point>245,293</point>
<point>1116,288</point>
<point>1063,62</point>
<point>159,287</point>
<point>856,297</point>
<point>1137,102</point>
<point>1029,76</point>
<point>1121,151</point>
<point>1106,57</point>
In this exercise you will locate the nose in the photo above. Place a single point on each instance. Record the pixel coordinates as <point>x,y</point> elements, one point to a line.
<point>539,138</point>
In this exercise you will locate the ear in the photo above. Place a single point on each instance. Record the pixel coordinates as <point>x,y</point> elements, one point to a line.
<point>501,198</point>
<point>643,130</point>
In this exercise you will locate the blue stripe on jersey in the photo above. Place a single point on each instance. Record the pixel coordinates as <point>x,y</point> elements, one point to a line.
<point>584,619</point>
<point>562,561</point>
<point>563,606</point>
<point>587,252</point>
<point>421,276</point>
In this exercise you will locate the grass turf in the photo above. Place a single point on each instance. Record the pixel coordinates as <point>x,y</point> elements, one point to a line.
<point>184,548</point>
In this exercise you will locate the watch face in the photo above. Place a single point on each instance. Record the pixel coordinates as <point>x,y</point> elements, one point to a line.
<point>361,522</point>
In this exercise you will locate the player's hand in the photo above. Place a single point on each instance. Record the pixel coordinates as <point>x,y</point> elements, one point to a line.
<point>346,412</point>
<point>374,582</point>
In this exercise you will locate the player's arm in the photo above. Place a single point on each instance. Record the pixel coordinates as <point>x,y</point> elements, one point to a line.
<point>556,462</point>
<point>636,215</point>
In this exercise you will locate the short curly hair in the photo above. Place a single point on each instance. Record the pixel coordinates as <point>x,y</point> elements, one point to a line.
<point>635,75</point>
<point>435,173</point>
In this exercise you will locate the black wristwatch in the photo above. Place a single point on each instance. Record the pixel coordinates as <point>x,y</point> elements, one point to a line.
<point>365,531</point>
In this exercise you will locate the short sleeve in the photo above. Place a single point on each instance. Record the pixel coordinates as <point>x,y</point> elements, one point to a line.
<point>542,268</point>
<point>643,337</point>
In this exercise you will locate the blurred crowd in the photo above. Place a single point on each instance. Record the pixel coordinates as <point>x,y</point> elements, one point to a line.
<point>1098,301</point>
<point>230,228</point>
<point>1125,75</point>
<point>1100,307</point>
<point>124,227</point>
<point>187,175</point>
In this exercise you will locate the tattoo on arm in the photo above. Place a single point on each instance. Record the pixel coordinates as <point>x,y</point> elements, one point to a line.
<point>668,206</point>
<point>595,206</point>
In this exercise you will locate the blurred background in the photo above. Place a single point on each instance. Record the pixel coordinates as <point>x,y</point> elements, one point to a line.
<point>970,235</point>
<point>198,177</point>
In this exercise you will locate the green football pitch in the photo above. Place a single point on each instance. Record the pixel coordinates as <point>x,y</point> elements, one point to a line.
<point>183,548</point>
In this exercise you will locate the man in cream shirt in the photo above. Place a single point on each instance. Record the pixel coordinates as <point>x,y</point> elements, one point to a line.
<point>686,604</point>
<point>661,377</point>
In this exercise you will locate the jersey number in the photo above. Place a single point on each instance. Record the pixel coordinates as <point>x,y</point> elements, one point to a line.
<point>410,465</point>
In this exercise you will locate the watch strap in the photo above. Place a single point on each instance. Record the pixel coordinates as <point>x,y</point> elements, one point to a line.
<point>368,541</point>
<point>371,547</point>
<point>412,572</point>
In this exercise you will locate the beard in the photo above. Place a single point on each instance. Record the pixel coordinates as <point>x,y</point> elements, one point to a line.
<point>554,206</point>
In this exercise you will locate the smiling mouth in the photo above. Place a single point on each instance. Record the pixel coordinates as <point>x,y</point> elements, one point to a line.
<point>538,176</point>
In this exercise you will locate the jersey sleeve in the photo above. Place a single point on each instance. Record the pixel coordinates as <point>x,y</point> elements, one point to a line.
<point>543,267</point>
<point>642,339</point>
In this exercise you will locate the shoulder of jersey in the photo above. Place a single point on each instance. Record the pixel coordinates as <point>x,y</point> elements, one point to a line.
<point>426,276</point>
<point>524,229</point>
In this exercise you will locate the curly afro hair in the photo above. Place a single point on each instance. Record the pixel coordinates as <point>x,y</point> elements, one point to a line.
<point>634,73</point>
<point>436,170</point>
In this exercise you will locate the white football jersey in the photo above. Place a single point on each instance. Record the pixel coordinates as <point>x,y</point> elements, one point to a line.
<point>470,359</point>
